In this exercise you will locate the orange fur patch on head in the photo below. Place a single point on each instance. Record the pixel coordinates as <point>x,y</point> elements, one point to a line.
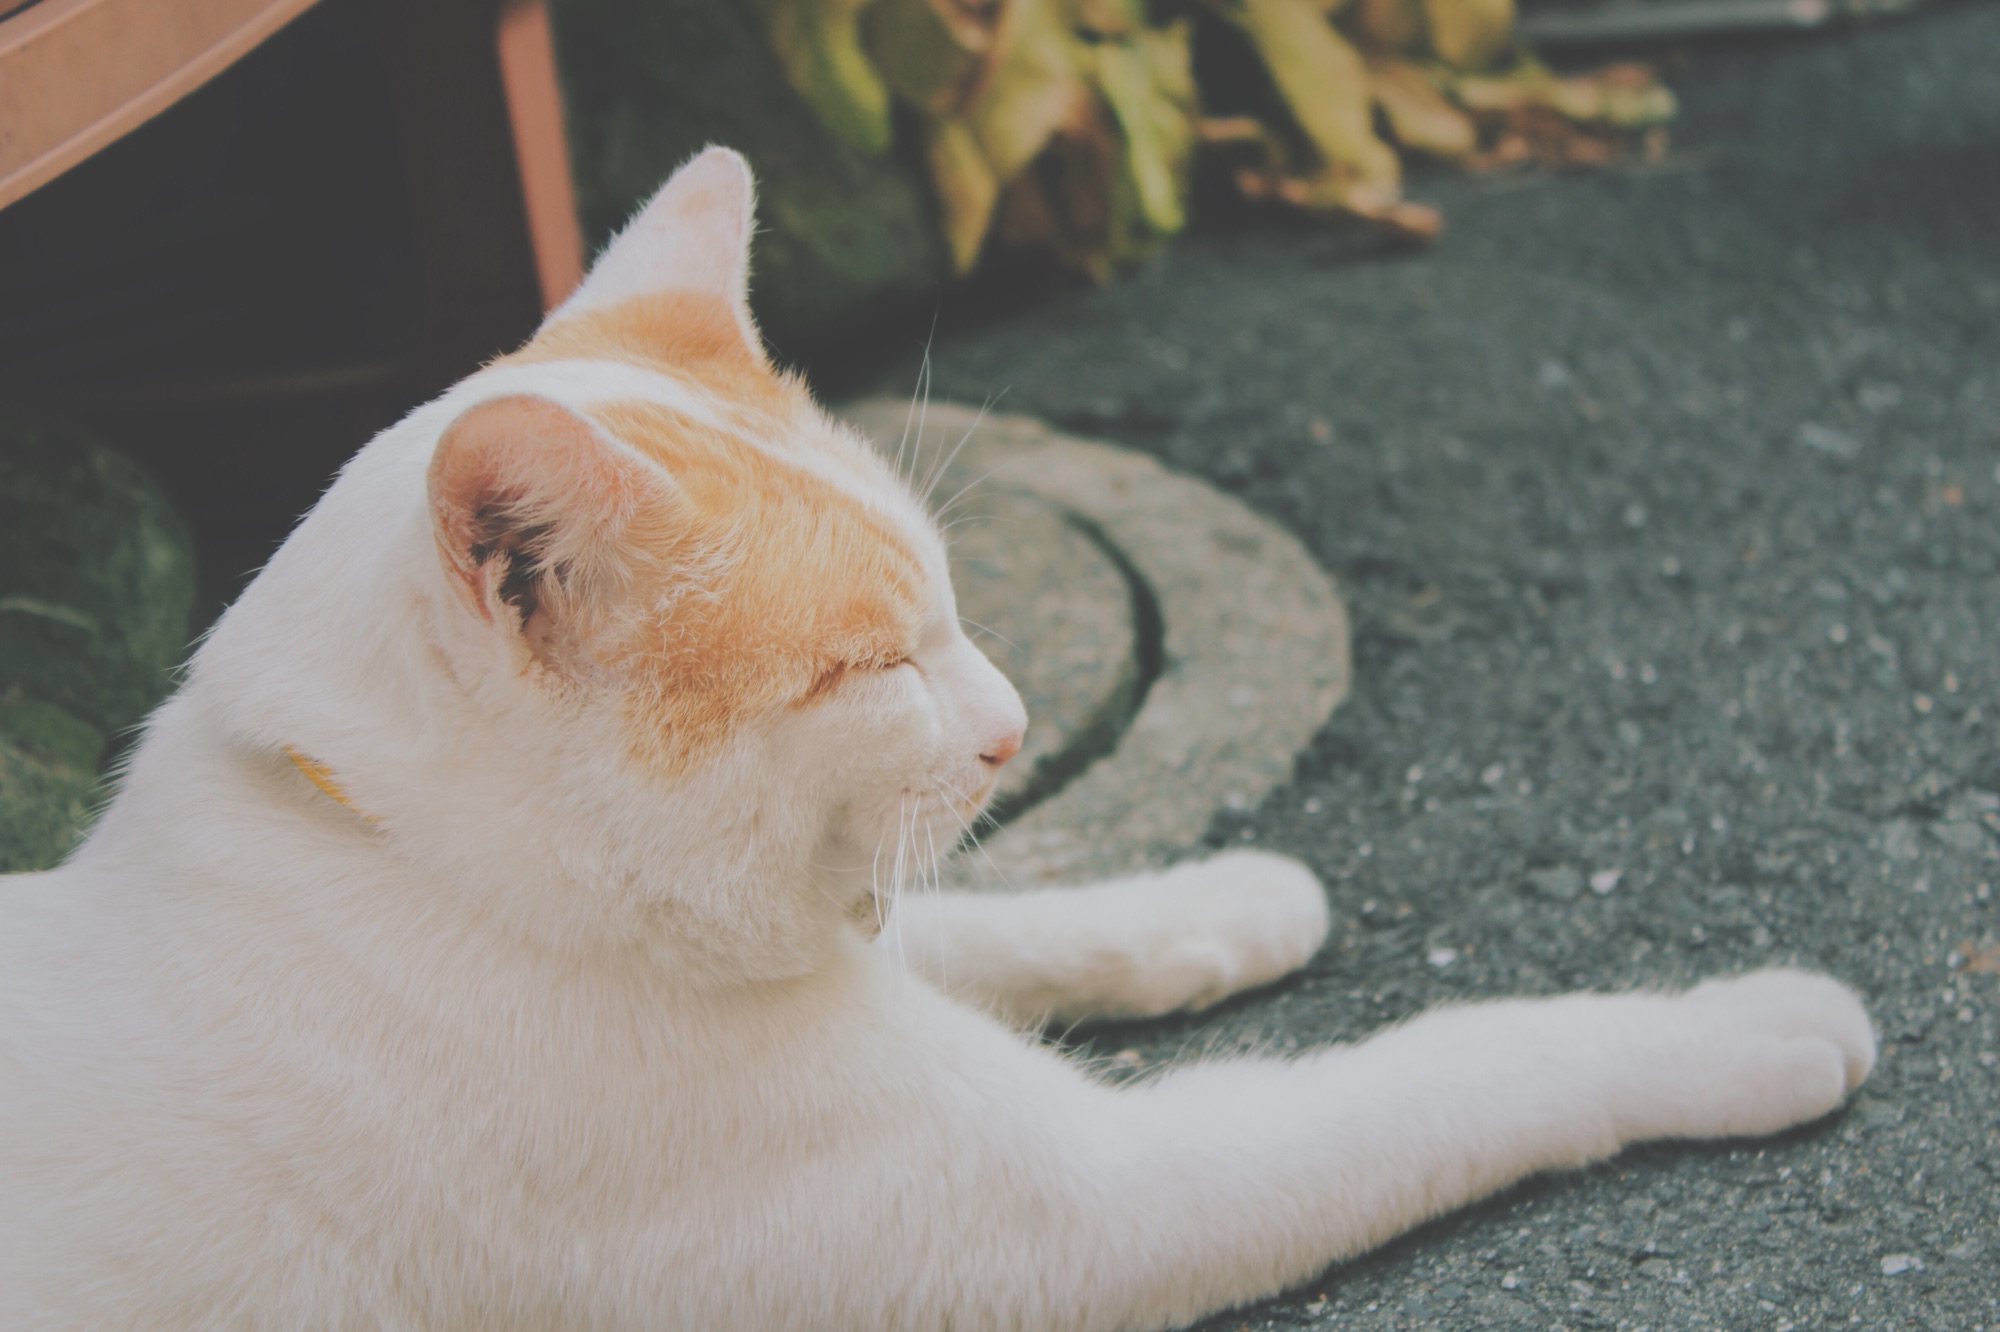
<point>774,583</point>
<point>689,334</point>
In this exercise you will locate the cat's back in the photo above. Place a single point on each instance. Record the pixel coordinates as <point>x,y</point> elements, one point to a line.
<point>65,1146</point>
<point>46,975</point>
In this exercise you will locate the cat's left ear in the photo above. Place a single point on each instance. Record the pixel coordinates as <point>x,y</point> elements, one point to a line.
<point>536,515</point>
<point>692,237</point>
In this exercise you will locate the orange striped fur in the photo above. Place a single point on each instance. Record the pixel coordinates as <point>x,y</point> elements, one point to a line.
<point>772,582</point>
<point>692,335</point>
<point>768,582</point>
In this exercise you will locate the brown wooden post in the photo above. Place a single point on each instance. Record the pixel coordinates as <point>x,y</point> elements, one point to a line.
<point>534,107</point>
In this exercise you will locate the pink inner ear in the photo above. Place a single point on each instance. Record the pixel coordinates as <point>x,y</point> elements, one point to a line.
<point>694,235</point>
<point>520,487</point>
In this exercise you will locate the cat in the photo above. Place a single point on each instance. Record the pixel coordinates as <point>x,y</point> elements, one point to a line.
<point>485,934</point>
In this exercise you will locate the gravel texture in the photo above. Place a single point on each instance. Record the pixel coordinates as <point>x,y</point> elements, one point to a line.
<point>1665,504</point>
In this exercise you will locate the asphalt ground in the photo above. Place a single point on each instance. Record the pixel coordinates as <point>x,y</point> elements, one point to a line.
<point>1665,502</point>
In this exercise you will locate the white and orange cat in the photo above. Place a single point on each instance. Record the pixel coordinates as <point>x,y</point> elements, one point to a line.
<point>484,935</point>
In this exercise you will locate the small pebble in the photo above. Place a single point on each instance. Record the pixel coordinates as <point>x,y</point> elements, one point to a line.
<point>1825,439</point>
<point>1441,957</point>
<point>1604,881</point>
<point>1492,776</point>
<point>1510,1282</point>
<point>1895,1264</point>
<point>1922,703</point>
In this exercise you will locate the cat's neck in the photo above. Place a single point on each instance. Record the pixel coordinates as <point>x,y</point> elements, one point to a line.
<point>228,831</point>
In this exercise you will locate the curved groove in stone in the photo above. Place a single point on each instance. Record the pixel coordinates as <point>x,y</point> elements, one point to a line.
<point>1253,650</point>
<point>1099,734</point>
<point>1053,607</point>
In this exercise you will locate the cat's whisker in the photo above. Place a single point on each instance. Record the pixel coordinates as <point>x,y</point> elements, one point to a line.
<point>926,865</point>
<point>970,832</point>
<point>938,469</point>
<point>882,890</point>
<point>938,514</point>
<point>875,876</point>
<point>904,825</point>
<point>964,619</point>
<point>928,879</point>
<point>923,411</point>
<point>906,461</point>
<point>965,518</point>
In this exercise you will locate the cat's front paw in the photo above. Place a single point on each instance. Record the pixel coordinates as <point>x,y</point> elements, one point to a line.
<point>1222,925</point>
<point>1756,1054</point>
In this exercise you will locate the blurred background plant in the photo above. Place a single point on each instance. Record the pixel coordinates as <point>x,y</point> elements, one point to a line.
<point>902,141</point>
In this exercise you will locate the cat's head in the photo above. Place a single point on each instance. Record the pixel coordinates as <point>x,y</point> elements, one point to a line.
<point>676,629</point>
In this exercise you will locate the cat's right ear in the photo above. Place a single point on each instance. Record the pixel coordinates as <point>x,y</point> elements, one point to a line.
<point>693,236</point>
<point>533,510</point>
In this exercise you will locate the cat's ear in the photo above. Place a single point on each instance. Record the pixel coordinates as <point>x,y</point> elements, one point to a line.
<point>534,512</point>
<point>691,237</point>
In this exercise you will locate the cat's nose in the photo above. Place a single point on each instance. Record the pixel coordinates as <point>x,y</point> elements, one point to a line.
<point>1001,748</point>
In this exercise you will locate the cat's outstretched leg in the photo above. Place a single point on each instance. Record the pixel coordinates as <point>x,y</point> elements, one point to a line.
<point>1185,937</point>
<point>1008,1192</point>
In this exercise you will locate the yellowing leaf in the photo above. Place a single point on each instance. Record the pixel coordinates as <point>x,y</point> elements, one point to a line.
<point>1147,83</point>
<point>1418,114</point>
<point>967,189</point>
<point>818,43</point>
<point>1325,87</point>
<point>934,54</point>
<point>1628,96</point>
<point>1470,34</point>
<point>1034,88</point>
<point>1388,25</point>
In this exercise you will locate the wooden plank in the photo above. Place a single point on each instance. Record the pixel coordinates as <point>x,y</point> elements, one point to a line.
<point>77,74</point>
<point>534,107</point>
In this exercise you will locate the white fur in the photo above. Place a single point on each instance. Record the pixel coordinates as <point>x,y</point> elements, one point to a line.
<point>556,1043</point>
